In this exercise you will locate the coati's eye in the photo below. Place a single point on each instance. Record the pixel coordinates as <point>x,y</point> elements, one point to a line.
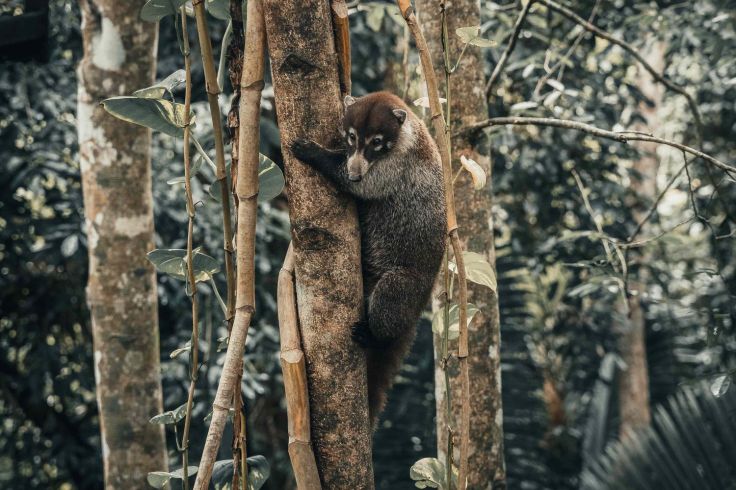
<point>351,137</point>
<point>377,140</point>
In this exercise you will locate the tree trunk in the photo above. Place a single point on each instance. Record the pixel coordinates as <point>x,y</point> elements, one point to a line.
<point>634,380</point>
<point>120,56</point>
<point>469,105</point>
<point>326,242</point>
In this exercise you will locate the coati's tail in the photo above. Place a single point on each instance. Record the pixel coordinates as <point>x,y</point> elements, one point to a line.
<point>383,366</point>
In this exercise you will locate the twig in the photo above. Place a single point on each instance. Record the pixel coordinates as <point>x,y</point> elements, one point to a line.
<point>509,47</point>
<point>633,52</point>
<point>622,137</point>
<point>442,137</point>
<point>560,65</point>
<point>655,204</point>
<point>191,281</point>
<point>294,371</point>
<point>251,86</point>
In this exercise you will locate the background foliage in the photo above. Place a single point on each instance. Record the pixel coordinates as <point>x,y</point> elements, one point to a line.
<point>555,285</point>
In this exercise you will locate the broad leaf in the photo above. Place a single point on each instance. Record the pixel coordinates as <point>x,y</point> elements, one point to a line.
<point>220,9</point>
<point>181,350</point>
<point>258,472</point>
<point>477,269</point>
<point>471,35</point>
<point>428,473</point>
<point>475,171</point>
<point>155,10</point>
<point>171,416</point>
<point>424,102</point>
<point>158,479</point>
<point>173,262</point>
<point>720,385</point>
<point>270,179</point>
<point>157,114</point>
<point>438,320</point>
<point>159,89</point>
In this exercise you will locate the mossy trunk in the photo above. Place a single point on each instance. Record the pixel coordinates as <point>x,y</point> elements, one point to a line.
<point>119,57</point>
<point>475,221</point>
<point>326,242</point>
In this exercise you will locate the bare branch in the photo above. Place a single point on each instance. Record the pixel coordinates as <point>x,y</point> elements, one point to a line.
<point>562,10</point>
<point>509,47</point>
<point>622,137</point>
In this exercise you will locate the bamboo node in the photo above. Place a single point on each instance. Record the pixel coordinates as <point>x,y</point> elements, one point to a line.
<point>216,406</point>
<point>257,85</point>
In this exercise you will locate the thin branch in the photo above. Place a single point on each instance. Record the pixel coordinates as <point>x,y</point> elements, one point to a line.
<point>251,85</point>
<point>560,65</point>
<point>191,281</point>
<point>633,52</point>
<point>622,137</point>
<point>650,212</point>
<point>509,47</point>
<point>341,26</point>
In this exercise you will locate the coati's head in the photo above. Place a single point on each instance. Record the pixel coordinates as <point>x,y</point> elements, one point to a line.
<point>373,127</point>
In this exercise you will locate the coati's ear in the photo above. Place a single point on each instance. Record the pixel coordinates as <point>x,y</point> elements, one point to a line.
<point>348,101</point>
<point>400,115</point>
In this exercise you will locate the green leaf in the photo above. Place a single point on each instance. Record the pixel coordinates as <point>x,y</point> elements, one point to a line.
<point>157,479</point>
<point>471,35</point>
<point>720,385</point>
<point>375,15</point>
<point>159,89</point>
<point>155,10</point>
<point>478,270</point>
<point>157,114</point>
<point>220,9</point>
<point>270,179</point>
<point>438,320</point>
<point>173,262</point>
<point>258,472</point>
<point>170,417</point>
<point>196,167</point>
<point>181,350</point>
<point>428,473</point>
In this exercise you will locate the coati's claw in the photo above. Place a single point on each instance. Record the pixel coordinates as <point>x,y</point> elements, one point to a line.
<point>362,335</point>
<point>303,149</point>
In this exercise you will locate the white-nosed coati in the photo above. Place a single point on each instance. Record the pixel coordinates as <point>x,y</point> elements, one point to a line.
<point>389,162</point>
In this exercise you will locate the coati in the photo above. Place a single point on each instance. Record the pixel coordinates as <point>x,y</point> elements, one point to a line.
<point>389,162</point>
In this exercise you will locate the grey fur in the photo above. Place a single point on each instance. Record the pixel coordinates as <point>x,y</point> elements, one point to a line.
<point>401,208</point>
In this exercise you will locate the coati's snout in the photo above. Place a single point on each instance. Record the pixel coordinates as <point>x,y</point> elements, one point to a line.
<point>371,129</point>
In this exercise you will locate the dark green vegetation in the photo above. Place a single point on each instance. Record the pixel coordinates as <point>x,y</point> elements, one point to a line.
<point>556,283</point>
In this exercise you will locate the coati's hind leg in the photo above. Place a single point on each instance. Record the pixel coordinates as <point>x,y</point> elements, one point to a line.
<point>394,306</point>
<point>383,366</point>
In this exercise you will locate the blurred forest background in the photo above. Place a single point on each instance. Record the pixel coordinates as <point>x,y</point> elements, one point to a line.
<point>557,287</point>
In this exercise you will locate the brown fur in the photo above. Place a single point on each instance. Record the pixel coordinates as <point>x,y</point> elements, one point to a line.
<point>390,164</point>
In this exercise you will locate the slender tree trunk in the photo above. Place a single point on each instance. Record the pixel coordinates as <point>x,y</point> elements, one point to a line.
<point>326,242</point>
<point>634,380</point>
<point>120,56</point>
<point>468,105</point>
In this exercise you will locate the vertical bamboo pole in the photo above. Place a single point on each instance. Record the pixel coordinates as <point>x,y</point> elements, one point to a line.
<point>441,136</point>
<point>247,190</point>
<point>295,381</point>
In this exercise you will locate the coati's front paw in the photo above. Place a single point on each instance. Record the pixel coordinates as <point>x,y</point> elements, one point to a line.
<point>304,149</point>
<point>362,335</point>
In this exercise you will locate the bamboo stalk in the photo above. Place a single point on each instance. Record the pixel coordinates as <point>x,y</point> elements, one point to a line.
<point>194,342</point>
<point>213,91</point>
<point>341,26</point>
<point>247,190</point>
<point>442,137</point>
<point>295,381</point>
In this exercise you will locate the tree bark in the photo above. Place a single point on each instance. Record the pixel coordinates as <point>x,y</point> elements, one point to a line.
<point>633,383</point>
<point>475,221</point>
<point>120,56</point>
<point>326,242</point>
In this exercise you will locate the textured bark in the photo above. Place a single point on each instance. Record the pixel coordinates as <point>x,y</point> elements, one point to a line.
<point>326,242</point>
<point>634,380</point>
<point>486,469</point>
<point>119,57</point>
